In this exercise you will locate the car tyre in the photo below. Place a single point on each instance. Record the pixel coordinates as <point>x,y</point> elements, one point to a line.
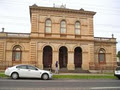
<point>45,76</point>
<point>14,75</point>
<point>118,77</point>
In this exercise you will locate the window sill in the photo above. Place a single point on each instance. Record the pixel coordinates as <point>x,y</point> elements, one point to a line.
<point>102,62</point>
<point>77,36</point>
<point>48,34</point>
<point>63,35</point>
<point>16,62</point>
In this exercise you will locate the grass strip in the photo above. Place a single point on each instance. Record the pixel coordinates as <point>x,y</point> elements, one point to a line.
<point>84,77</point>
<point>90,76</point>
<point>2,75</point>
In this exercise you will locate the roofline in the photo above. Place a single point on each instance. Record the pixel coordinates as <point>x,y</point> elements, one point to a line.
<point>81,11</point>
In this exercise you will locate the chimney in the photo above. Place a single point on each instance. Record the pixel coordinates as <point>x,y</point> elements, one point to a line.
<point>2,29</point>
<point>112,35</point>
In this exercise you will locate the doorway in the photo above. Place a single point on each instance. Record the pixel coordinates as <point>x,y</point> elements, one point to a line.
<point>47,57</point>
<point>63,56</point>
<point>78,57</point>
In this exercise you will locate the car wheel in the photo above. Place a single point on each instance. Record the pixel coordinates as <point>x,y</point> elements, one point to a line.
<point>118,77</point>
<point>45,76</point>
<point>14,75</point>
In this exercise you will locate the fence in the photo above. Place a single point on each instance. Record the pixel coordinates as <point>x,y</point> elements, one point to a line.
<point>5,64</point>
<point>102,67</point>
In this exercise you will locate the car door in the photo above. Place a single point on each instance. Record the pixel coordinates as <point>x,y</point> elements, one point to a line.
<point>33,71</point>
<point>23,71</point>
<point>118,70</point>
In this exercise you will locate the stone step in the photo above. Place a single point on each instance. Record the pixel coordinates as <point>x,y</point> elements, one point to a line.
<point>73,71</point>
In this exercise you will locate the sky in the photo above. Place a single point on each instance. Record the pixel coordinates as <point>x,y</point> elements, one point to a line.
<point>15,16</point>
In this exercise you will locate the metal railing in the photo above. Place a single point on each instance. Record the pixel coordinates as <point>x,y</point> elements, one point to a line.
<point>104,39</point>
<point>24,35</point>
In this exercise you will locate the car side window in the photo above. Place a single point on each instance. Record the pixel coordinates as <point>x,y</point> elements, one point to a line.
<point>32,68</point>
<point>22,67</point>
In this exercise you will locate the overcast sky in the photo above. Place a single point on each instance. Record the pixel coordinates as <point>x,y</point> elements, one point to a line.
<point>14,15</point>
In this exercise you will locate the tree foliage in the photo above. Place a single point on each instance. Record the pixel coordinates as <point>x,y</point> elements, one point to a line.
<point>118,55</point>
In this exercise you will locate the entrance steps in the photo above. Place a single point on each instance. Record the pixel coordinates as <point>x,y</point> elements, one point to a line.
<point>77,70</point>
<point>65,70</point>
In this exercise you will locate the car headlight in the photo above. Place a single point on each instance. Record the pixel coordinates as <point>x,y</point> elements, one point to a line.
<point>50,72</point>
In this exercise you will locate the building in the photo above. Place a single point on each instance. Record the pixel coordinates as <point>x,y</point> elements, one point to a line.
<point>58,34</point>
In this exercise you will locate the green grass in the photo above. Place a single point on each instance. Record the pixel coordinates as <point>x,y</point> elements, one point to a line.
<point>2,75</point>
<point>89,76</point>
<point>84,77</point>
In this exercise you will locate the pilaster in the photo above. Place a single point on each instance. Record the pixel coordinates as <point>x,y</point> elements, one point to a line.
<point>70,65</point>
<point>55,58</point>
<point>1,51</point>
<point>40,59</point>
<point>85,61</point>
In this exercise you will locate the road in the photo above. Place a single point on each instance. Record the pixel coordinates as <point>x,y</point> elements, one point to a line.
<point>35,84</point>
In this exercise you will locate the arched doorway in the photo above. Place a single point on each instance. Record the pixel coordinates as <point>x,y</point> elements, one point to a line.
<point>47,57</point>
<point>63,57</point>
<point>78,57</point>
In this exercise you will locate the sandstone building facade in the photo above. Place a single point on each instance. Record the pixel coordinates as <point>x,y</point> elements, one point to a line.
<point>58,34</point>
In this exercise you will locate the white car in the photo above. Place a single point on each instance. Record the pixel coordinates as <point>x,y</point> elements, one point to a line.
<point>27,71</point>
<point>117,72</point>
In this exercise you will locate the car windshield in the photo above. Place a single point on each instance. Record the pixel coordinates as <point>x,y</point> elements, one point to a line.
<point>118,68</point>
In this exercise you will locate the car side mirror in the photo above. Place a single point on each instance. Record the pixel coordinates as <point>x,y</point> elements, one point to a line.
<point>36,69</point>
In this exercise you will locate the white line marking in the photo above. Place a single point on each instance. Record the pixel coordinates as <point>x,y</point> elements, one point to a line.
<point>94,88</point>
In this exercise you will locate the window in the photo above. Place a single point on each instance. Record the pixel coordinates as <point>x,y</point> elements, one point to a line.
<point>48,26</point>
<point>77,28</point>
<point>101,55</point>
<point>63,27</point>
<point>32,68</point>
<point>17,53</point>
<point>22,67</point>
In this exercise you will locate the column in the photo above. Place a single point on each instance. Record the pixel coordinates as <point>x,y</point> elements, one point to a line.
<point>55,58</point>
<point>40,59</point>
<point>70,65</point>
<point>85,61</point>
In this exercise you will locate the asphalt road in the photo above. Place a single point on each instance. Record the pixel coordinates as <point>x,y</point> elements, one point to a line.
<point>35,84</point>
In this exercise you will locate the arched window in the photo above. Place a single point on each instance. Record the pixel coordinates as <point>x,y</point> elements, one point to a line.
<point>63,26</point>
<point>77,28</point>
<point>48,26</point>
<point>17,53</point>
<point>101,55</point>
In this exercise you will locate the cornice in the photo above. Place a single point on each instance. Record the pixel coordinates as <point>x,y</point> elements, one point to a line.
<point>62,10</point>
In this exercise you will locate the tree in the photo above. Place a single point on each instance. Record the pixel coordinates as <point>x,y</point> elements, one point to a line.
<point>118,55</point>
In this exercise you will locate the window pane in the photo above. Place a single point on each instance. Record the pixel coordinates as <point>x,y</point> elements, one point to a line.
<point>48,29</point>
<point>48,23</point>
<point>77,31</point>
<point>63,30</point>
<point>17,56</point>
<point>63,24</point>
<point>32,68</point>
<point>101,51</point>
<point>18,49</point>
<point>63,27</point>
<point>77,25</point>
<point>22,67</point>
<point>17,53</point>
<point>101,57</point>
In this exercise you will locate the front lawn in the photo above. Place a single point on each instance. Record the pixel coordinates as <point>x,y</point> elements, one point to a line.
<point>78,76</point>
<point>2,75</point>
<point>84,76</point>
